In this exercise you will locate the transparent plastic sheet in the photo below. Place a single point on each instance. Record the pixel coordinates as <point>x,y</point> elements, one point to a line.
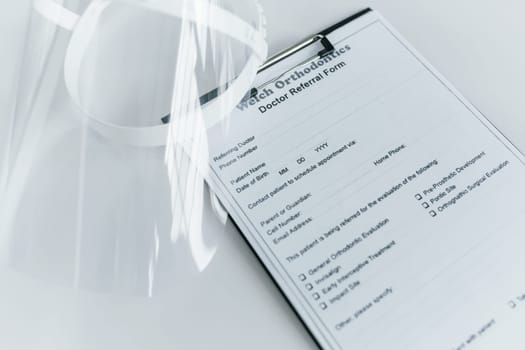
<point>107,152</point>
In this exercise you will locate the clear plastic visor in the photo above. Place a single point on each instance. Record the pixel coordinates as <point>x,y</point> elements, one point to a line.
<point>108,153</point>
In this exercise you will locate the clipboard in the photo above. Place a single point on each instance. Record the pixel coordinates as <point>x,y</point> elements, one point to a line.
<point>411,103</point>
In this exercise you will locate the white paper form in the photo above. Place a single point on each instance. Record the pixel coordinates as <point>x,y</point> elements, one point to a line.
<point>385,206</point>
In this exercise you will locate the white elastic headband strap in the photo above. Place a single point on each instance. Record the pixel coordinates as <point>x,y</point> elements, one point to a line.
<point>219,20</point>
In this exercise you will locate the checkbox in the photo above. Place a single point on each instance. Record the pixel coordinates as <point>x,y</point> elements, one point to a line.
<point>425,205</point>
<point>309,286</point>
<point>323,306</point>
<point>302,277</point>
<point>419,197</point>
<point>432,213</point>
<point>316,296</point>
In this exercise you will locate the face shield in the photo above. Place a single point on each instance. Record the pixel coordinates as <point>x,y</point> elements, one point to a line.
<point>107,147</point>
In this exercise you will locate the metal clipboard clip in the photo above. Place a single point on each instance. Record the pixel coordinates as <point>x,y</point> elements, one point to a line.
<point>328,48</point>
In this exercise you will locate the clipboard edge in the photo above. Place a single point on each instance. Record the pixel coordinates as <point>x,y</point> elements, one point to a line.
<point>293,308</point>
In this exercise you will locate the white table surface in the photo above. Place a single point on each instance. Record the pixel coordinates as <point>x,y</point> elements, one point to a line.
<point>477,44</point>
